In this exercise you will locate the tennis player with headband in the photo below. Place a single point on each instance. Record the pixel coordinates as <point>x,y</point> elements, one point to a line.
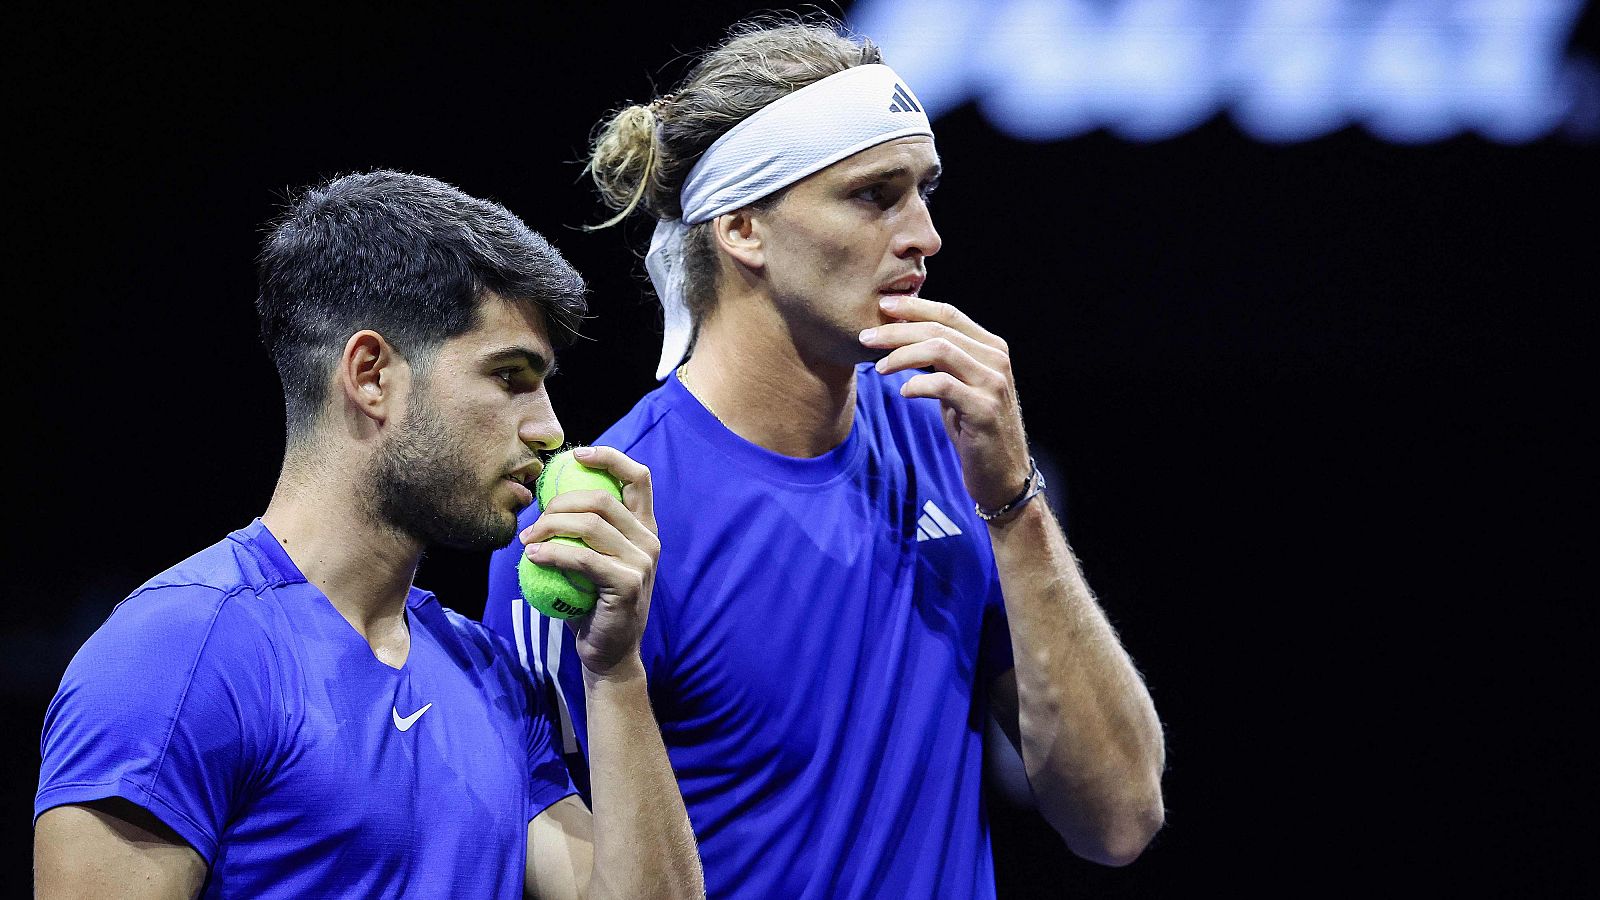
<point>854,572</point>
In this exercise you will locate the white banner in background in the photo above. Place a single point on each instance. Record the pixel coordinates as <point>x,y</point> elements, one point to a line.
<point>1409,71</point>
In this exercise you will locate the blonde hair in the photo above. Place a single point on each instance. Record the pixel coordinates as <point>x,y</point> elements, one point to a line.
<point>642,154</point>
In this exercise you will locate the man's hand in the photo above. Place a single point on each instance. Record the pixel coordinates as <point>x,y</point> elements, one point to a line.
<point>620,558</point>
<point>973,383</point>
<point>1088,732</point>
<point>643,844</point>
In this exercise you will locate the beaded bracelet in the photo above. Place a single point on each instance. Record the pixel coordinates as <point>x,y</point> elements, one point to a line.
<point>1033,487</point>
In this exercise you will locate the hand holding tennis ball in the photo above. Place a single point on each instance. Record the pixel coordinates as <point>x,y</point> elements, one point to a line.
<point>561,593</point>
<point>593,550</point>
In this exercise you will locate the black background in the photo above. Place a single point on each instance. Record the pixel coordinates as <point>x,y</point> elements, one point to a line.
<point>1318,409</point>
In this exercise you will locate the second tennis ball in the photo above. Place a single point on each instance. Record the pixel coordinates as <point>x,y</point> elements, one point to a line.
<point>556,593</point>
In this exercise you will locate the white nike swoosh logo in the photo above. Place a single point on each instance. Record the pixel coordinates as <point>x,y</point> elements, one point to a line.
<point>406,723</point>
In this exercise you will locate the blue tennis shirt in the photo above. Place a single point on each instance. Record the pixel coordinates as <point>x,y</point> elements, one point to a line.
<point>819,648</point>
<point>229,698</point>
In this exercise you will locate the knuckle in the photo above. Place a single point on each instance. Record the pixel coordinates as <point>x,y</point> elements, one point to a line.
<point>645,572</point>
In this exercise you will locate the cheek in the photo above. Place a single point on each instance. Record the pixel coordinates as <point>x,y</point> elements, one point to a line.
<point>825,255</point>
<point>842,259</point>
<point>479,432</point>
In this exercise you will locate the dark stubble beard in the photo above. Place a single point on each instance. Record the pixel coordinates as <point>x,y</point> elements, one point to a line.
<point>421,489</point>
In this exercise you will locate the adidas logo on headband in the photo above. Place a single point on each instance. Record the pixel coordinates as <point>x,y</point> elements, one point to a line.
<point>900,101</point>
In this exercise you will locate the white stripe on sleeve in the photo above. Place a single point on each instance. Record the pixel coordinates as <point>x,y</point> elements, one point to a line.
<point>569,740</point>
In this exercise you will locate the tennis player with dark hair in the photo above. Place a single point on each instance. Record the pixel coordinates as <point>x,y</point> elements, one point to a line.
<point>284,714</point>
<point>857,567</point>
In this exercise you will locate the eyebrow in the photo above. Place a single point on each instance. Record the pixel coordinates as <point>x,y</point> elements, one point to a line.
<point>541,365</point>
<point>894,172</point>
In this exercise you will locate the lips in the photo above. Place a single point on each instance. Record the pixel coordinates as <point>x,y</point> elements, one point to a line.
<point>524,492</point>
<point>527,474</point>
<point>907,285</point>
<point>524,479</point>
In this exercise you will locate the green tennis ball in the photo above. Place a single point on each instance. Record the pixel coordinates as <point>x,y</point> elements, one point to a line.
<point>554,592</point>
<point>564,473</point>
<point>557,593</point>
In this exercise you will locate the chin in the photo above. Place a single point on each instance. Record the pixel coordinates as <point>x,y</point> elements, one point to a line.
<point>508,522</point>
<point>491,529</point>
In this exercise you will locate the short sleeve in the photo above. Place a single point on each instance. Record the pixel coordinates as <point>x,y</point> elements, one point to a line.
<point>154,709</point>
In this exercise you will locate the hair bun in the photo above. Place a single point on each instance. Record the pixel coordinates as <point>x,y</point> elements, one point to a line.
<point>624,156</point>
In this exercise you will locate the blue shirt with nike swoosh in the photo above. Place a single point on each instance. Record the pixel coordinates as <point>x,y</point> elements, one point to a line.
<point>228,697</point>
<point>821,641</point>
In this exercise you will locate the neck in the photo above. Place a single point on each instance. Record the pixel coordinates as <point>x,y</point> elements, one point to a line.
<point>365,568</point>
<point>755,378</point>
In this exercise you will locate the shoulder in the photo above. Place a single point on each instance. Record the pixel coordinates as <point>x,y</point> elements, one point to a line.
<point>657,434</point>
<point>181,644</point>
<point>172,704</point>
<point>206,618</point>
<point>641,425</point>
<point>215,594</point>
<point>225,566</point>
<point>189,658</point>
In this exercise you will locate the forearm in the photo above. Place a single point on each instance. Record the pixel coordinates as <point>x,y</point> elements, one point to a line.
<point>643,845</point>
<point>1090,738</point>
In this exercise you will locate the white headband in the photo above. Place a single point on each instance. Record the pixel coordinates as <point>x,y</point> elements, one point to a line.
<point>791,137</point>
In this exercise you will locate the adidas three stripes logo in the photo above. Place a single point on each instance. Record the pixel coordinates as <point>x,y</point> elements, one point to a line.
<point>900,101</point>
<point>934,524</point>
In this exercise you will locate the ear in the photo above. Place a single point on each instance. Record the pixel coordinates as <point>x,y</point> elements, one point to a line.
<point>373,377</point>
<point>737,235</point>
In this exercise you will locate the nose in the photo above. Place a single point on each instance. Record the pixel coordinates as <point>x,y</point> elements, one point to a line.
<point>918,236</point>
<point>540,428</point>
